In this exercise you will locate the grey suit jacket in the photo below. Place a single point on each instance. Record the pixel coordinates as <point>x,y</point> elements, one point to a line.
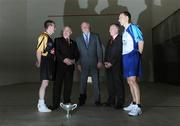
<point>91,55</point>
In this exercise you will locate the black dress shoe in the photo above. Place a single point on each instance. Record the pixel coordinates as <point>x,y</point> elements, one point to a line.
<point>98,103</point>
<point>82,100</point>
<point>81,103</point>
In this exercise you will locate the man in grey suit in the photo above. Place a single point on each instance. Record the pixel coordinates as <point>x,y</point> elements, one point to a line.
<point>90,62</point>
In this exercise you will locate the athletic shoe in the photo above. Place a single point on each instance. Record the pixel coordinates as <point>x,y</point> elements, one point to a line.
<point>135,111</point>
<point>129,108</point>
<point>43,108</point>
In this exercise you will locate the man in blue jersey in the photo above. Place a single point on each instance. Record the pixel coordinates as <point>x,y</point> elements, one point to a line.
<point>133,44</point>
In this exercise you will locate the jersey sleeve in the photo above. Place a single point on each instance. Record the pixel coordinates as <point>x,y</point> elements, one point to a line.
<point>138,36</point>
<point>42,41</point>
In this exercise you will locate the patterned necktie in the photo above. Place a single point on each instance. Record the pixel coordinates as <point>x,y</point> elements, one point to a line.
<point>86,40</point>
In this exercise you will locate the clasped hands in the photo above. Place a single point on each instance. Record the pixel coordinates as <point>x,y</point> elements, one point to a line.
<point>68,61</point>
<point>107,65</point>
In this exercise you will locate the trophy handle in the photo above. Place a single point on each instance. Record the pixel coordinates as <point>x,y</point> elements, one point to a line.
<point>74,106</point>
<point>62,105</point>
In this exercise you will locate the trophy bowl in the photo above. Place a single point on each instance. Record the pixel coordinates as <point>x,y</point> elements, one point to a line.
<point>68,107</point>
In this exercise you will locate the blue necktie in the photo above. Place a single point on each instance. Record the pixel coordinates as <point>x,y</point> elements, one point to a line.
<point>86,40</point>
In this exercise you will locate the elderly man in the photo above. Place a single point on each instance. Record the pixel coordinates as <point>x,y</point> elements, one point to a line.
<point>90,62</point>
<point>66,56</point>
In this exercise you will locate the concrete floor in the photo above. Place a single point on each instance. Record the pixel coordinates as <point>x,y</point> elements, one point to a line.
<point>161,107</point>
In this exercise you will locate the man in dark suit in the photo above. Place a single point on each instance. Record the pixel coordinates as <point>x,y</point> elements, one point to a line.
<point>90,62</point>
<point>66,56</point>
<point>113,65</point>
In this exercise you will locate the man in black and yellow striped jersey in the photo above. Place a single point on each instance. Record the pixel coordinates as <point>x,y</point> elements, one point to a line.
<point>45,61</point>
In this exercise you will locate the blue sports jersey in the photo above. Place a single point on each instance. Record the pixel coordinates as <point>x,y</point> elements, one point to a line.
<point>131,36</point>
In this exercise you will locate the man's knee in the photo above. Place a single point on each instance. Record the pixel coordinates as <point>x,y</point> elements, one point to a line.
<point>131,81</point>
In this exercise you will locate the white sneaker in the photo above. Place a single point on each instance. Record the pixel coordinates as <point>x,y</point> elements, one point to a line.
<point>43,108</point>
<point>135,111</point>
<point>129,108</point>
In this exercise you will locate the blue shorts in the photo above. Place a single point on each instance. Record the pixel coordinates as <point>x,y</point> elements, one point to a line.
<point>132,64</point>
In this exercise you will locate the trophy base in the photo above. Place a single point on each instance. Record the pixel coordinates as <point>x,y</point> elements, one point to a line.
<point>68,116</point>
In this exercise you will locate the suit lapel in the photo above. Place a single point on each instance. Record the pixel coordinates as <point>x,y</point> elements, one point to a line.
<point>83,41</point>
<point>90,39</point>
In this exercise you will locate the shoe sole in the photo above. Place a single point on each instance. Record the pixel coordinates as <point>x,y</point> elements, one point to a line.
<point>127,110</point>
<point>44,111</point>
<point>136,115</point>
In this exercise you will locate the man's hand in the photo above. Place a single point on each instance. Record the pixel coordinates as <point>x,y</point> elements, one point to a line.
<point>107,65</point>
<point>37,64</point>
<point>99,65</point>
<point>67,61</point>
<point>79,68</point>
<point>73,61</point>
<point>141,46</point>
<point>52,51</point>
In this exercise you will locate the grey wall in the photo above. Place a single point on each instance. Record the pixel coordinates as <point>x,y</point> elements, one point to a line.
<point>166,37</point>
<point>161,9</point>
<point>21,21</point>
<point>13,40</point>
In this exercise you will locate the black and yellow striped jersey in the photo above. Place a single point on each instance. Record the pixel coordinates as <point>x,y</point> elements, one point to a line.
<point>43,41</point>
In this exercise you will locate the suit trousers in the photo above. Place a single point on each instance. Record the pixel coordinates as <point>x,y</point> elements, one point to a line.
<point>94,73</point>
<point>64,77</point>
<point>115,86</point>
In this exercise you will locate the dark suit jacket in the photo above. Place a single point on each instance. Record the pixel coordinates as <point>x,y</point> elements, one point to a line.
<point>91,55</point>
<point>65,49</point>
<point>113,53</point>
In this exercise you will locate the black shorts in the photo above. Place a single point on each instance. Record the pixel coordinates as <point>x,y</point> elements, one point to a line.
<point>47,68</point>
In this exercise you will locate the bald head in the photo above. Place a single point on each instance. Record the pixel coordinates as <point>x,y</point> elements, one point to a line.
<point>67,31</point>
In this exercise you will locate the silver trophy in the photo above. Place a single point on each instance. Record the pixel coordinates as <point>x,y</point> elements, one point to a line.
<point>68,108</point>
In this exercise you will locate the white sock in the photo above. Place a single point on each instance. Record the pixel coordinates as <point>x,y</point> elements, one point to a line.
<point>41,101</point>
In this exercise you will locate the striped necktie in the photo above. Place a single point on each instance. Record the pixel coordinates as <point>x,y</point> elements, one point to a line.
<point>86,40</point>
